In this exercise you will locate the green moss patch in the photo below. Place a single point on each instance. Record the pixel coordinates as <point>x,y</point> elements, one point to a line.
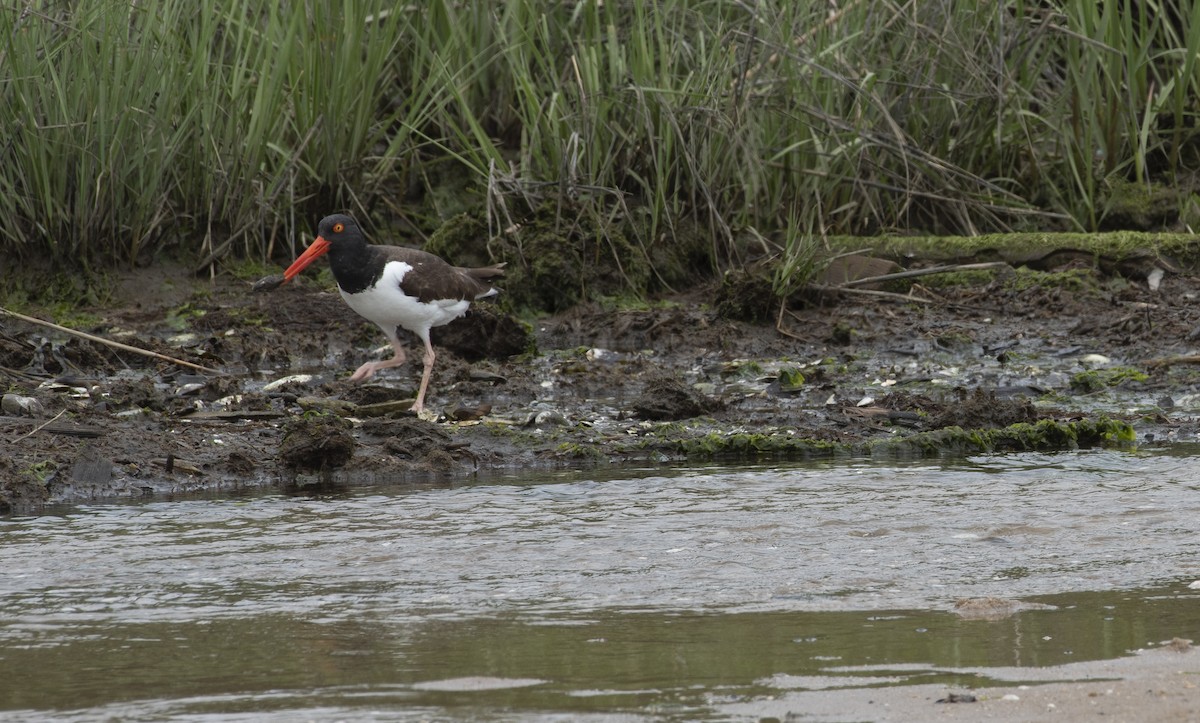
<point>1018,247</point>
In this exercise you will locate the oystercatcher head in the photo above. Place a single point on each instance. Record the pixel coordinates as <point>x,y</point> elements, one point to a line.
<point>394,286</point>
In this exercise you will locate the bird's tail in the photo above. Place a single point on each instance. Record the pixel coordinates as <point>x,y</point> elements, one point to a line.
<point>483,274</point>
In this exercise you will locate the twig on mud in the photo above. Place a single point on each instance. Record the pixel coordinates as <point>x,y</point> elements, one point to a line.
<point>779,321</point>
<point>38,428</point>
<point>110,342</point>
<point>870,292</point>
<point>899,297</point>
<point>1172,361</point>
<point>67,429</point>
<point>926,272</point>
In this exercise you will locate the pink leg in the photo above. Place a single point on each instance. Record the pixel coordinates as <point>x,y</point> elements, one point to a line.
<point>420,403</point>
<point>366,370</point>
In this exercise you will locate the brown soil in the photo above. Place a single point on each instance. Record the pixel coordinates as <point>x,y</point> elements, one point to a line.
<point>602,386</point>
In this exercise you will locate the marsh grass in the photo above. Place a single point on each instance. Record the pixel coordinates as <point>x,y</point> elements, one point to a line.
<point>229,125</point>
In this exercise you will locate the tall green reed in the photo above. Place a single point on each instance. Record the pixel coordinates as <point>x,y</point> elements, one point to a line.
<point>148,122</point>
<point>136,125</point>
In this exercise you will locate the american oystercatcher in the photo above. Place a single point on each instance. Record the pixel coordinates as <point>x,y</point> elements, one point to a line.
<point>394,286</point>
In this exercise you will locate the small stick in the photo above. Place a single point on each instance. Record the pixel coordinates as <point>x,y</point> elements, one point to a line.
<point>39,428</point>
<point>870,292</point>
<point>110,342</point>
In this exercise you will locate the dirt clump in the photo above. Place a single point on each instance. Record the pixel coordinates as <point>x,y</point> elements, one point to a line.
<point>968,408</point>
<point>981,408</point>
<point>484,333</point>
<point>667,397</point>
<point>746,295</point>
<point>316,443</point>
<point>409,438</point>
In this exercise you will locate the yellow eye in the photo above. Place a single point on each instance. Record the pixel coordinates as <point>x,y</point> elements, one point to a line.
<point>338,227</point>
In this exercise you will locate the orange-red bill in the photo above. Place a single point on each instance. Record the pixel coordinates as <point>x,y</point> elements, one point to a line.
<point>311,254</point>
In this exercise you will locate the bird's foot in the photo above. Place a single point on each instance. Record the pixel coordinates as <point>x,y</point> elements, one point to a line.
<point>366,371</point>
<point>363,373</point>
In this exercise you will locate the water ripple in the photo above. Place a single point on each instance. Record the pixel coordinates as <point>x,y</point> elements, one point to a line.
<point>826,536</point>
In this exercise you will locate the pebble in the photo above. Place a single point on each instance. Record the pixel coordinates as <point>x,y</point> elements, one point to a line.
<point>18,405</point>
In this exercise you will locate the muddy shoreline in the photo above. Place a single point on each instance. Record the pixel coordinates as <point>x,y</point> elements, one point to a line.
<point>995,362</point>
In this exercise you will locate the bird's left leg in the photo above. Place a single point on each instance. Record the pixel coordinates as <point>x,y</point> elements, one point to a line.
<point>366,370</point>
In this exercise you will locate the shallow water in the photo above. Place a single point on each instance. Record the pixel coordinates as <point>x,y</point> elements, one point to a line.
<point>642,594</point>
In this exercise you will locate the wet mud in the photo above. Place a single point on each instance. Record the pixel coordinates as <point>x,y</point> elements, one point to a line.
<point>1013,359</point>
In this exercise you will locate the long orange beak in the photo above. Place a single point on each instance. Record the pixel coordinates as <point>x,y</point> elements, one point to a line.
<point>314,251</point>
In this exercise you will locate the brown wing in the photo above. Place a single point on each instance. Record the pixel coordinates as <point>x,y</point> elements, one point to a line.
<point>432,278</point>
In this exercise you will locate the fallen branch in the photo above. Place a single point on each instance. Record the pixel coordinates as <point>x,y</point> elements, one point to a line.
<point>110,342</point>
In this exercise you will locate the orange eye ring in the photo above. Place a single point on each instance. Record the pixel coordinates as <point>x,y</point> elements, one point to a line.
<point>338,227</point>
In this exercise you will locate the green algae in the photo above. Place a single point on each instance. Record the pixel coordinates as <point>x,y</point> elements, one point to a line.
<point>1042,436</point>
<point>1073,280</point>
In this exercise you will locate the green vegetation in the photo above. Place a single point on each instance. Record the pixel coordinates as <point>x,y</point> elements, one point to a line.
<point>180,318</point>
<point>40,471</point>
<point>650,138</point>
<point>1095,380</point>
<point>791,379</point>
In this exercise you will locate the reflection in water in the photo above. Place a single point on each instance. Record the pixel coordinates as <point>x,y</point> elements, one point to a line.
<point>645,597</point>
<point>601,662</point>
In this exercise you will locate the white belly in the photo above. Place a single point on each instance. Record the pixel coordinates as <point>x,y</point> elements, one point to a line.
<point>388,306</point>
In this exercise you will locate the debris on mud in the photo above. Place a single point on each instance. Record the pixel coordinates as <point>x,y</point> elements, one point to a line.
<point>994,608</point>
<point>267,283</point>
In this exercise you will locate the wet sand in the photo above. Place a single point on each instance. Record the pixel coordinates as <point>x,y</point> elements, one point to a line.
<point>1161,684</point>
